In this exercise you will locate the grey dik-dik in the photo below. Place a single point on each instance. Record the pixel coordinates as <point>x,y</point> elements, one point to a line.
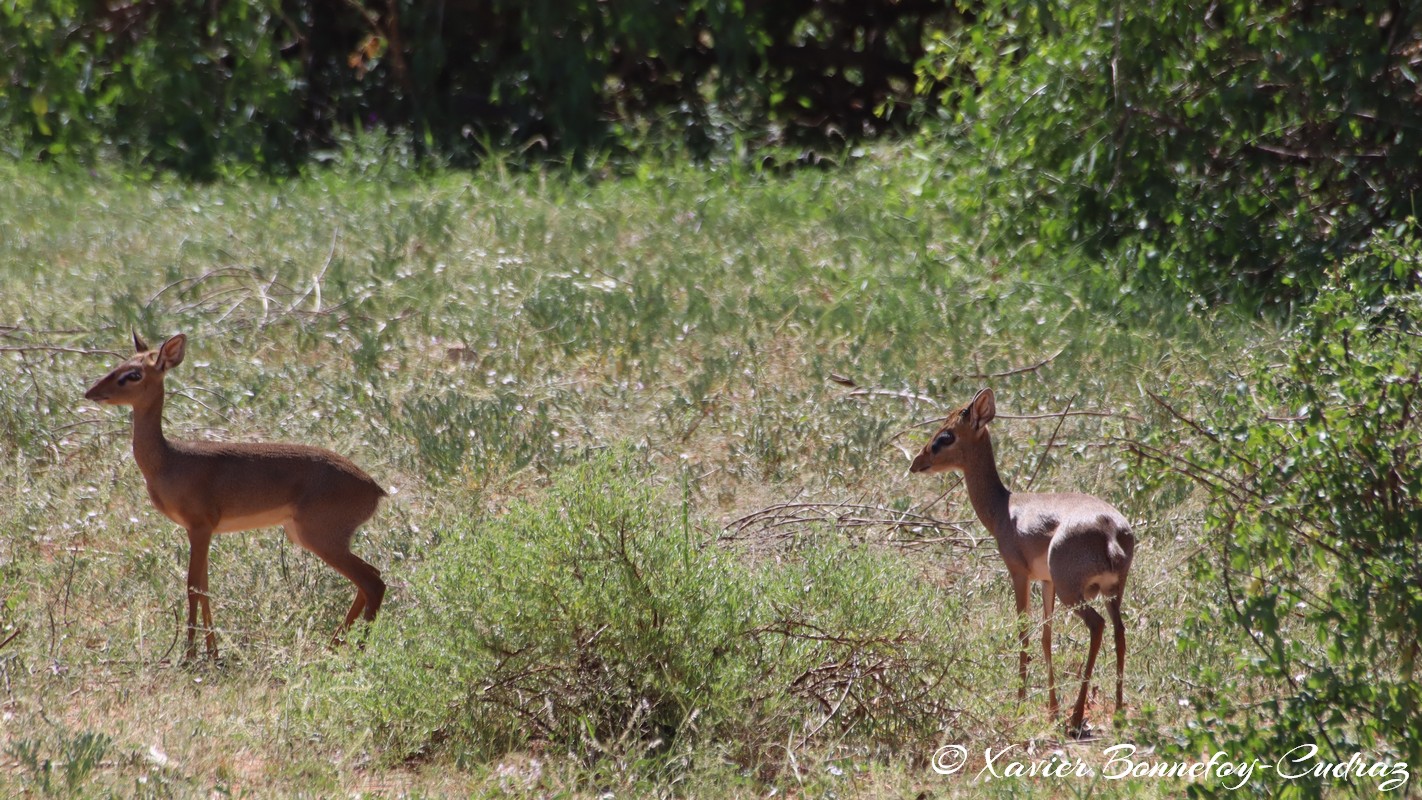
<point>1078,546</point>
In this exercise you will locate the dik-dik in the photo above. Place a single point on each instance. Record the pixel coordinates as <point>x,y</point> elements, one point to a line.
<point>319,497</point>
<point>1078,546</point>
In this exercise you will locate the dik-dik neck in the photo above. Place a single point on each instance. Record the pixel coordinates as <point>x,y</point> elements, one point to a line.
<point>150,449</point>
<point>985,490</point>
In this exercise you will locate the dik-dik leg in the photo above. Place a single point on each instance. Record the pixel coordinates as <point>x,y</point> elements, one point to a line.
<point>199,542</point>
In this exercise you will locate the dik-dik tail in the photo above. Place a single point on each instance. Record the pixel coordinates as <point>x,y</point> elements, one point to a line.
<point>1120,549</point>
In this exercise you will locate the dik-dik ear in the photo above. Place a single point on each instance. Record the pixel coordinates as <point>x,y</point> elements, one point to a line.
<point>170,353</point>
<point>139,346</point>
<point>983,408</point>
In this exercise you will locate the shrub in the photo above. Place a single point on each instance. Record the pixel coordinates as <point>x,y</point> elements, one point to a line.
<point>1233,151</point>
<point>596,620</point>
<point>185,89</point>
<point>1314,469</point>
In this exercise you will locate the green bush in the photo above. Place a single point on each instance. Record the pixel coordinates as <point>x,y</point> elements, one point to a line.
<point>184,89</point>
<point>1314,469</point>
<point>232,85</point>
<point>1234,150</point>
<point>596,619</point>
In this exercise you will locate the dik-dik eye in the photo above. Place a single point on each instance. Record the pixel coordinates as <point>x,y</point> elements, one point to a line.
<point>943,440</point>
<point>132,376</point>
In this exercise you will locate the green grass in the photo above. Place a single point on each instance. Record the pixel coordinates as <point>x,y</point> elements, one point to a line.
<point>471,340</point>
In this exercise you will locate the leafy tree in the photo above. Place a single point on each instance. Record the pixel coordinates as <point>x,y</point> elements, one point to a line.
<point>193,87</point>
<point>1232,149</point>
<point>1314,533</point>
<point>178,87</point>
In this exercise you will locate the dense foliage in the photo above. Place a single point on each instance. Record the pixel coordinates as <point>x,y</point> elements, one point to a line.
<point>1315,472</point>
<point>267,83</point>
<point>1233,149</point>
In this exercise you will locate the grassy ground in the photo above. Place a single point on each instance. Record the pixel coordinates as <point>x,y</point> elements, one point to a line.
<point>467,338</point>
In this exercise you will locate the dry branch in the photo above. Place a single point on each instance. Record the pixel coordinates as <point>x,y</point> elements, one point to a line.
<point>1050,442</point>
<point>1198,428</point>
<point>1084,413</point>
<point>902,395</point>
<point>1019,370</point>
<point>784,521</point>
<point>50,348</point>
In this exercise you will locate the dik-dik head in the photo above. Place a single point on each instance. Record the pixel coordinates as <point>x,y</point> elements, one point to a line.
<point>139,379</point>
<point>964,432</point>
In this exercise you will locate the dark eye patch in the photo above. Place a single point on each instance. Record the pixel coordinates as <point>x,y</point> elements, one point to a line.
<point>942,440</point>
<point>132,376</point>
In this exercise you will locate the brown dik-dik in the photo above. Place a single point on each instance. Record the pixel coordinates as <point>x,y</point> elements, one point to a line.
<point>1078,546</point>
<point>211,487</point>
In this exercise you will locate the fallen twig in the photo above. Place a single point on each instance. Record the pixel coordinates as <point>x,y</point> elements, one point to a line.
<point>320,276</point>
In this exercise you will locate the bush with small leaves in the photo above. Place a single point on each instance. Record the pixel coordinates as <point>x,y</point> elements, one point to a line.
<point>1314,472</point>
